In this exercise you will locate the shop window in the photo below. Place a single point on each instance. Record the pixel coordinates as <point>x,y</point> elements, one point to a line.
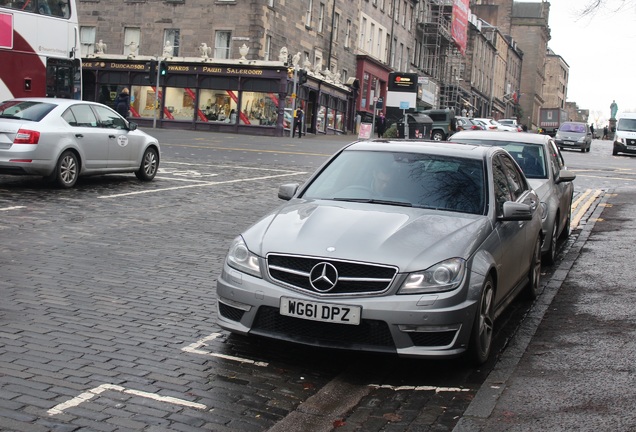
<point>321,120</point>
<point>143,101</point>
<point>217,105</point>
<point>259,108</point>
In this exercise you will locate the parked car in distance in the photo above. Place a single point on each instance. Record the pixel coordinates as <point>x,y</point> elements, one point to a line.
<point>442,123</point>
<point>625,135</point>
<point>62,139</point>
<point>396,246</point>
<point>544,167</point>
<point>511,123</point>
<point>494,125</point>
<point>465,123</point>
<point>574,135</point>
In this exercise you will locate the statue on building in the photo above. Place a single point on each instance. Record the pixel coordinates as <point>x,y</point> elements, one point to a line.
<point>307,64</point>
<point>168,49</point>
<point>283,55</point>
<point>336,78</point>
<point>318,66</point>
<point>243,50</point>
<point>132,49</point>
<point>296,59</point>
<point>613,109</point>
<point>205,50</point>
<point>100,47</point>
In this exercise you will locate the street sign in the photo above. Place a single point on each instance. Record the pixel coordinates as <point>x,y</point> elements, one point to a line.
<point>404,105</point>
<point>365,130</point>
<point>379,103</point>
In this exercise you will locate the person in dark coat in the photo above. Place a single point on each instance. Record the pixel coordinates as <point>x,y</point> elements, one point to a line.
<point>380,125</point>
<point>122,103</point>
<point>298,123</point>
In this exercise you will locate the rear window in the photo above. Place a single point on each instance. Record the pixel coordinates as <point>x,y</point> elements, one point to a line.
<point>25,110</point>
<point>572,127</point>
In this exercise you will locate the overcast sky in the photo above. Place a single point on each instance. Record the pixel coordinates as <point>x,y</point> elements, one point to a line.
<point>600,50</point>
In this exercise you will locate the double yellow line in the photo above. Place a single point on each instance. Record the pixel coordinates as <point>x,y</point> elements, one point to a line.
<point>582,204</point>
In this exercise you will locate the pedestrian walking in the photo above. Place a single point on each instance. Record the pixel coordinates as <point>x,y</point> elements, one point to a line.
<point>605,132</point>
<point>592,130</point>
<point>380,125</point>
<point>298,123</point>
<point>122,103</point>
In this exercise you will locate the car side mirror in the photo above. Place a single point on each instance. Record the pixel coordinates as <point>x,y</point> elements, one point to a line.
<point>513,211</point>
<point>565,176</point>
<point>287,191</point>
<point>132,126</point>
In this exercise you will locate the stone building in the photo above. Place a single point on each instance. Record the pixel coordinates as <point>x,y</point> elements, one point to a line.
<point>557,73</point>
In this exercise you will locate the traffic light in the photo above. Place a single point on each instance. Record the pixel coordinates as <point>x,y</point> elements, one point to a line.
<point>163,69</point>
<point>290,72</point>
<point>152,71</point>
<point>302,77</point>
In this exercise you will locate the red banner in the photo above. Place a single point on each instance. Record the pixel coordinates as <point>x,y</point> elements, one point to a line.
<point>459,24</point>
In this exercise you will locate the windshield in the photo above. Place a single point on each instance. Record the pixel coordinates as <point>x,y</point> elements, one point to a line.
<point>627,124</point>
<point>530,157</point>
<point>25,110</point>
<point>572,127</point>
<point>404,179</point>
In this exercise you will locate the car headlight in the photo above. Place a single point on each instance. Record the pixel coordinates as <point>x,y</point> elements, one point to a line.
<point>544,210</point>
<point>443,276</point>
<point>619,140</point>
<point>582,139</point>
<point>240,258</point>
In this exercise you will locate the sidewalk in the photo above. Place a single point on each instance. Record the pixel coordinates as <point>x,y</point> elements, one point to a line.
<point>572,364</point>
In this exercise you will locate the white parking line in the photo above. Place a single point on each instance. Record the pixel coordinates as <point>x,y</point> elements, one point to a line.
<point>194,349</point>
<point>86,396</point>
<point>12,208</point>
<point>200,185</point>
<point>227,166</point>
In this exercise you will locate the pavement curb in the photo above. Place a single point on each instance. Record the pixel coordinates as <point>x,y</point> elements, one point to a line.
<point>495,384</point>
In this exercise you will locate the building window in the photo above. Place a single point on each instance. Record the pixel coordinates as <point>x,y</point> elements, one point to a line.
<point>362,29</point>
<point>310,6</point>
<point>404,15</point>
<point>318,58</point>
<point>172,36</point>
<point>132,36</point>
<point>393,48</point>
<point>411,19</point>
<point>270,3</point>
<point>222,44</point>
<point>401,57</point>
<point>347,34</point>
<point>321,18</point>
<point>268,47</point>
<point>378,49</point>
<point>336,26</point>
<point>371,36</point>
<point>87,39</point>
<point>345,75</point>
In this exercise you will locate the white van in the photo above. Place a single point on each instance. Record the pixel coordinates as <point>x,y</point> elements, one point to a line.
<point>625,136</point>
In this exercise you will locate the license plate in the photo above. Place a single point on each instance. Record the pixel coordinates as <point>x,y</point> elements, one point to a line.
<point>568,142</point>
<point>324,312</point>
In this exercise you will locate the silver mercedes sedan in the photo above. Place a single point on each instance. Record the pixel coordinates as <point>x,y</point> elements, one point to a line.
<point>407,247</point>
<point>62,139</point>
<point>544,167</point>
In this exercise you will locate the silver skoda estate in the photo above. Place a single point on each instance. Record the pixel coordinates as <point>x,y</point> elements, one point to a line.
<point>406,247</point>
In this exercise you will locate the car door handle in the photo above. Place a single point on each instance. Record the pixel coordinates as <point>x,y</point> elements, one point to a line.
<point>79,136</point>
<point>112,136</point>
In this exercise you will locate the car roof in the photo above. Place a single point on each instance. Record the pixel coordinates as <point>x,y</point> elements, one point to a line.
<point>55,101</point>
<point>438,148</point>
<point>520,137</point>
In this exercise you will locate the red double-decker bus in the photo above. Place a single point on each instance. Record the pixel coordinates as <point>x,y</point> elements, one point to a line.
<point>39,49</point>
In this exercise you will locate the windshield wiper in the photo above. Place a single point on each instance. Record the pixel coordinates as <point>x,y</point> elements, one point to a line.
<point>376,201</point>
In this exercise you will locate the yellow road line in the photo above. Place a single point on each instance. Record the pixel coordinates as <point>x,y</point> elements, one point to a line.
<point>576,219</point>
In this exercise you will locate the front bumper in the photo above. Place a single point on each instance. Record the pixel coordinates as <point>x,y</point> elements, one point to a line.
<point>623,148</point>
<point>420,325</point>
<point>569,144</point>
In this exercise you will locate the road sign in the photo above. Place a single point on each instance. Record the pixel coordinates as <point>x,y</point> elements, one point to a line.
<point>404,105</point>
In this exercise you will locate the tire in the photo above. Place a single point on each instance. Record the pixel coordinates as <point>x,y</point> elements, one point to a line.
<point>66,170</point>
<point>534,273</point>
<point>482,332</point>
<point>614,152</point>
<point>582,149</point>
<point>567,229</point>
<point>550,254</point>
<point>438,136</point>
<point>149,165</point>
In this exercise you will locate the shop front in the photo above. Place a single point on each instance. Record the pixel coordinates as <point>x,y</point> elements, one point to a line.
<point>255,99</point>
<point>373,77</point>
<point>239,98</point>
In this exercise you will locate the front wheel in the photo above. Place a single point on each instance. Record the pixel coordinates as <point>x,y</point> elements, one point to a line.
<point>550,254</point>
<point>149,165</point>
<point>482,332</point>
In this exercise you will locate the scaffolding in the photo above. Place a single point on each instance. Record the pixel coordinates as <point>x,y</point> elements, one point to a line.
<point>442,61</point>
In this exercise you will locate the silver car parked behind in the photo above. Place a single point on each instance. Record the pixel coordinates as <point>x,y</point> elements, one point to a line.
<point>405,247</point>
<point>62,139</point>
<point>544,167</point>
